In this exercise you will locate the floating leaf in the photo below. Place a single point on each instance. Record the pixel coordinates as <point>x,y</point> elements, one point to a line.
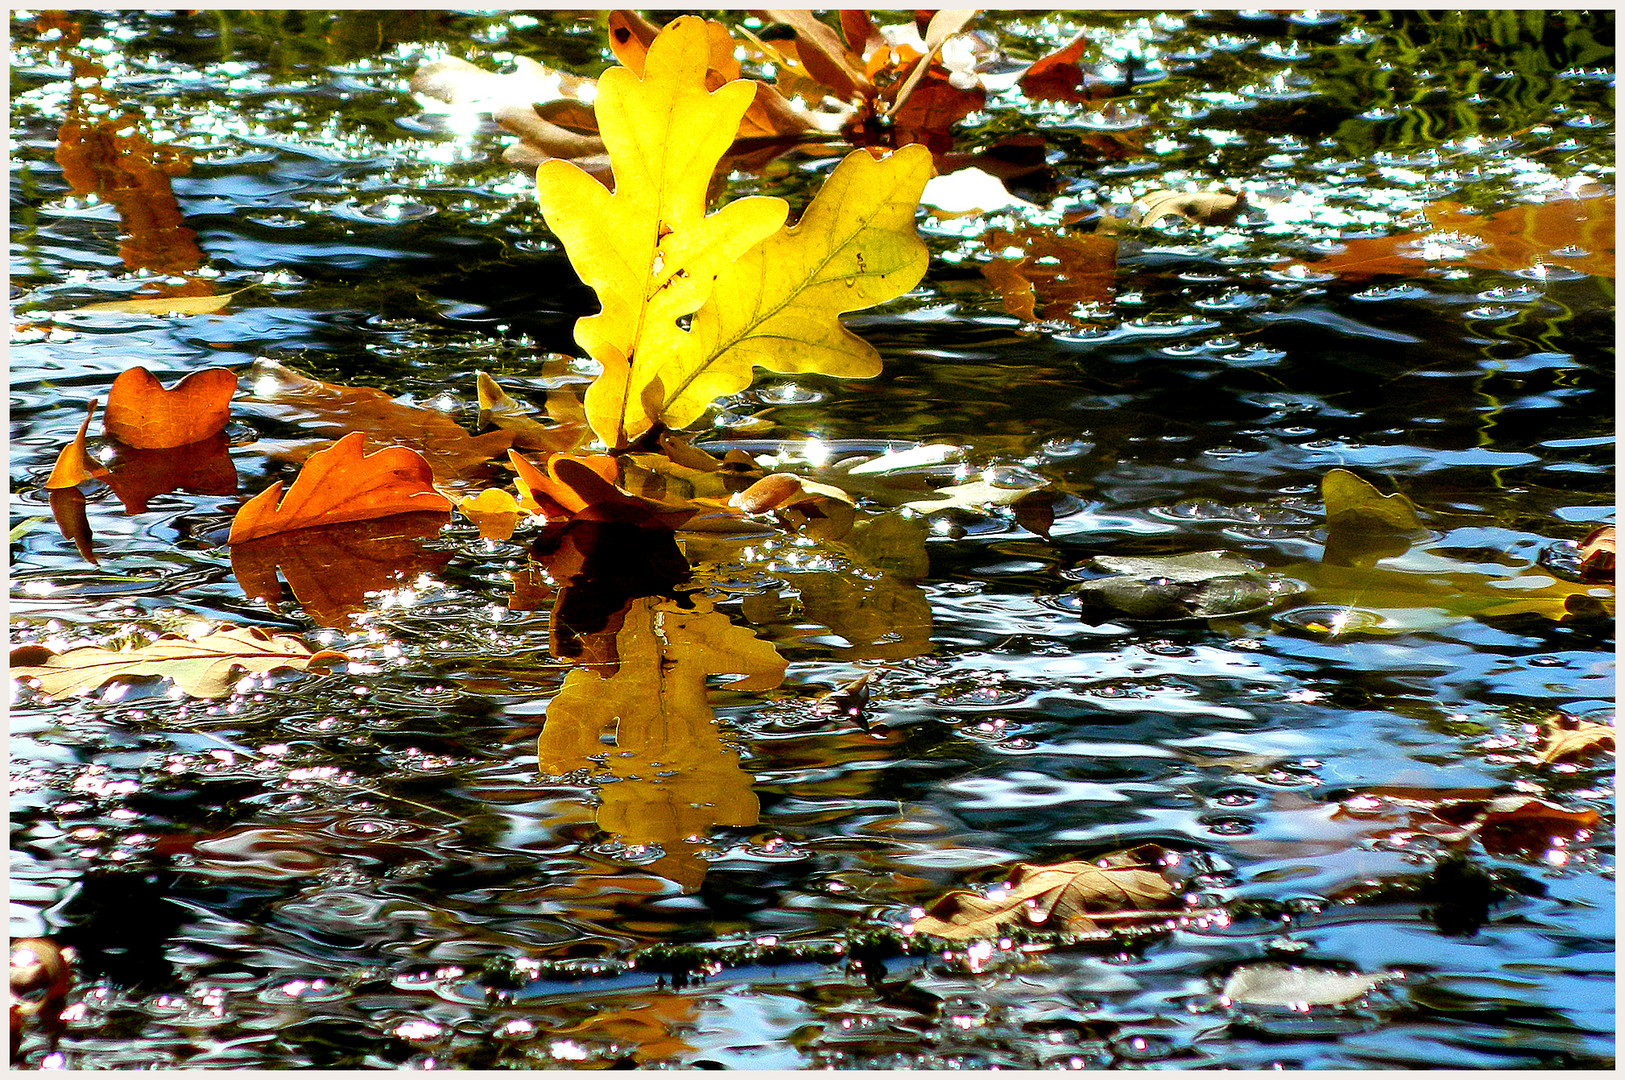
<point>1579,741</point>
<point>1058,77</point>
<point>342,484</point>
<point>497,408</point>
<point>143,414</point>
<point>332,568</point>
<point>1574,232</point>
<point>331,411</point>
<point>1289,987</point>
<point>207,667</point>
<point>1197,207</point>
<point>1125,890</point>
<point>1191,566</point>
<point>73,465</point>
<point>1196,585</point>
<point>1347,496</point>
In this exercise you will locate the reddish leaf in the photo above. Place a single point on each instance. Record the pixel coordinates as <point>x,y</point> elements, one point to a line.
<point>73,465</point>
<point>342,484</point>
<point>1577,233</point>
<point>823,54</point>
<point>1055,274</point>
<point>332,568</point>
<point>142,414</point>
<point>202,468</point>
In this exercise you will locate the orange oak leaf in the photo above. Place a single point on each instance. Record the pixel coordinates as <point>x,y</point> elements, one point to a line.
<point>332,568</point>
<point>342,484</point>
<point>1597,554</point>
<point>142,414</point>
<point>73,465</point>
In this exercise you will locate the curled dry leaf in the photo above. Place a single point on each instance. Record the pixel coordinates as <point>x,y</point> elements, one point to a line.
<point>342,484</point>
<point>73,465</point>
<point>207,667</point>
<point>143,414</point>
<point>1582,740</point>
<point>1220,207</point>
<point>332,568</point>
<point>1123,891</point>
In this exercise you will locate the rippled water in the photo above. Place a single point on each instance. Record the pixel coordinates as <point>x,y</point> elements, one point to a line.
<point>355,870</point>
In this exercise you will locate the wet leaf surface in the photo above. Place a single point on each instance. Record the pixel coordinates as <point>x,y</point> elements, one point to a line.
<point>1284,986</point>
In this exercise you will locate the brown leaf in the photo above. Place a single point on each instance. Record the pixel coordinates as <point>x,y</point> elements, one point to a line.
<point>500,410</point>
<point>1581,740</point>
<point>1123,890</point>
<point>207,667</point>
<point>143,414</point>
<point>1573,232</point>
<point>342,484</point>
<point>942,26</point>
<point>332,568</point>
<point>1597,555</point>
<point>332,411</point>
<point>73,465</point>
<point>1059,77</point>
<point>68,507</point>
<point>823,54</point>
<point>203,468</point>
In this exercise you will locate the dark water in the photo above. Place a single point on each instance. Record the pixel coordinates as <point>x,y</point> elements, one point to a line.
<point>369,869</point>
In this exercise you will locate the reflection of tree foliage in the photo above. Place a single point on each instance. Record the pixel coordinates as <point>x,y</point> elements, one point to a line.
<point>1454,73</point>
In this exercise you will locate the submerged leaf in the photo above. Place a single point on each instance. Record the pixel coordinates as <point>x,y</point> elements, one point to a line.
<point>1579,741</point>
<point>143,414</point>
<point>331,411</point>
<point>207,667</point>
<point>1347,496</point>
<point>339,484</point>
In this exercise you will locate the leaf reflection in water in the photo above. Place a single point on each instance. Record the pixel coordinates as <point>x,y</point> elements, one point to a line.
<point>650,725</point>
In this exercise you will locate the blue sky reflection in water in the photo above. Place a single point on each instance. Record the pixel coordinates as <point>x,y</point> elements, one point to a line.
<point>369,869</point>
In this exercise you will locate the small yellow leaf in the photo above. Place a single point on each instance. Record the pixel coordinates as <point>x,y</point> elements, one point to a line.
<point>1346,495</point>
<point>494,511</point>
<point>73,465</point>
<point>163,305</point>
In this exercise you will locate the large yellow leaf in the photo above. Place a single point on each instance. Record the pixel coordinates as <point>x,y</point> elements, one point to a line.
<point>758,294</point>
<point>649,250</point>
<point>777,307</point>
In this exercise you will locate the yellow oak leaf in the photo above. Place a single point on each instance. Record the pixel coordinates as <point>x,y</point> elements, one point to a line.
<point>649,250</point>
<point>778,306</point>
<point>758,294</point>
